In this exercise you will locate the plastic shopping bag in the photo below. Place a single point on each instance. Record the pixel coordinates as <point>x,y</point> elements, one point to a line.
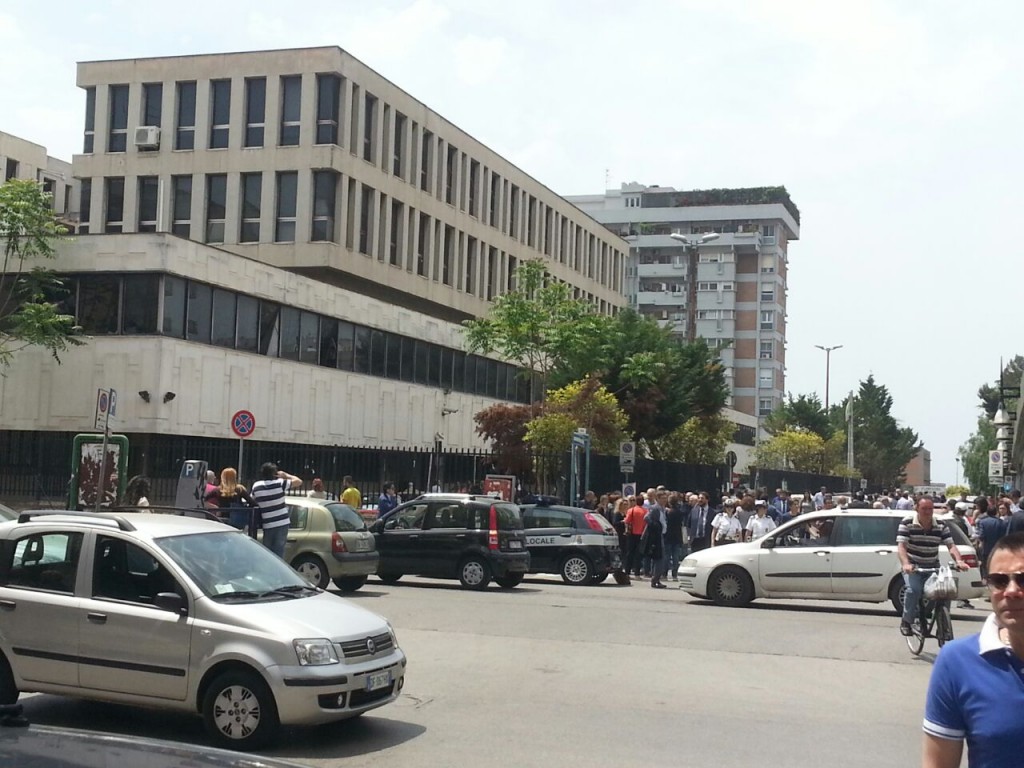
<point>941,585</point>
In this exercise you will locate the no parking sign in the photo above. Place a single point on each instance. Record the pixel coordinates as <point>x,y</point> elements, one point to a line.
<point>628,489</point>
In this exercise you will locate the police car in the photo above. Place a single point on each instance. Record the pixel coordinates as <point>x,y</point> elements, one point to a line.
<point>579,545</point>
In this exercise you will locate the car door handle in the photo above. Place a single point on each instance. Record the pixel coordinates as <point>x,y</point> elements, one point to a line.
<point>7,605</point>
<point>414,535</point>
<point>97,618</point>
<point>460,535</point>
<point>291,541</point>
<point>883,551</point>
<point>821,552</point>
<point>565,535</point>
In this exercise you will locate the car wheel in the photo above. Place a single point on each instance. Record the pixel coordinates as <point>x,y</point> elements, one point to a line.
<point>9,692</point>
<point>389,578</point>
<point>599,578</point>
<point>312,569</point>
<point>731,586</point>
<point>510,581</point>
<point>349,583</point>
<point>576,570</point>
<point>896,590</point>
<point>474,573</point>
<point>239,711</point>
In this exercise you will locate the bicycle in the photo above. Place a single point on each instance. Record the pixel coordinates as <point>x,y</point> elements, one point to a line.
<point>933,620</point>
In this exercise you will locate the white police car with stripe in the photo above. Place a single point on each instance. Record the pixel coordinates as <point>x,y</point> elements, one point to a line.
<point>579,545</point>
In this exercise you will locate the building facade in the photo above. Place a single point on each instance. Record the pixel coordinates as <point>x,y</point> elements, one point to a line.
<point>918,471</point>
<point>23,159</point>
<point>736,297</point>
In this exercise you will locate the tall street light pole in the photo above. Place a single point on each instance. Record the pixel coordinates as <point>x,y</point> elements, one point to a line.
<point>692,243</point>
<point>828,361</point>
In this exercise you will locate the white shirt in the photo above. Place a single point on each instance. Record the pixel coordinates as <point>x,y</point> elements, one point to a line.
<point>759,526</point>
<point>726,527</point>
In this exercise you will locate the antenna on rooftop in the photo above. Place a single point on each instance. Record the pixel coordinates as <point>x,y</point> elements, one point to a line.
<point>607,177</point>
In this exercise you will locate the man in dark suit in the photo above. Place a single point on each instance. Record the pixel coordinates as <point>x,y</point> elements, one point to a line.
<point>699,524</point>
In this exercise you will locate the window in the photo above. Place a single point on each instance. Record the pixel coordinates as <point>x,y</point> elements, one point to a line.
<point>398,158</point>
<point>124,571</point>
<point>198,312</point>
<point>148,194</point>
<point>90,121</point>
<point>255,110</point>
<point>291,110</point>
<point>361,360</point>
<point>867,531</point>
<point>768,230</point>
<point>449,174</point>
<point>766,378</point>
<point>545,517</point>
<point>46,561</point>
<point>428,142</point>
<point>393,356</point>
<point>174,307</point>
<point>223,334</point>
<point>309,338</point>
<point>114,204</point>
<point>216,206</point>
<point>247,324</point>
<point>287,186</point>
<point>328,342</point>
<point>117,139</point>
<point>141,299</point>
<point>181,217</point>
<point>220,113</point>
<point>84,206</point>
<point>767,350</point>
<point>377,353</point>
<point>474,183</point>
<point>270,316</point>
<point>767,320</point>
<point>289,333</point>
<point>768,292</point>
<point>369,128</point>
<point>408,358</point>
<point>328,113</point>
<point>345,346</point>
<point>252,189</point>
<point>410,518</point>
<point>365,218</point>
<point>768,264</point>
<point>185,132</point>
<point>152,103</point>
<point>98,299</point>
<point>450,516</point>
<point>325,191</point>
<point>421,353</point>
<point>764,406</point>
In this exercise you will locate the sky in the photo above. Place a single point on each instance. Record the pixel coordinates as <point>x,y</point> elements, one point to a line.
<point>895,126</point>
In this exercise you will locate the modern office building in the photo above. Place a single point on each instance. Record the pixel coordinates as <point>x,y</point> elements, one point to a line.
<point>291,233</point>
<point>729,289</point>
<point>23,159</point>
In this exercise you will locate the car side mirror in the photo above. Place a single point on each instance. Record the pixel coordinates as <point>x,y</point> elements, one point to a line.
<point>170,601</point>
<point>384,525</point>
<point>768,543</point>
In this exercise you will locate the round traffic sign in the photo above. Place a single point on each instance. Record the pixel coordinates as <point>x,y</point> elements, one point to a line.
<point>243,423</point>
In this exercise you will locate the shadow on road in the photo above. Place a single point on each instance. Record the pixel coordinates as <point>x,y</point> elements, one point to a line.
<point>441,586</point>
<point>348,738</point>
<point>977,616</point>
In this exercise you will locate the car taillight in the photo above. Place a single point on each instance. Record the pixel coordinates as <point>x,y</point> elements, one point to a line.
<point>593,522</point>
<point>492,536</point>
<point>338,543</point>
<point>971,560</point>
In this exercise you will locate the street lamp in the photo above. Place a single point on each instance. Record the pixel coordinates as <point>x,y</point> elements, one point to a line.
<point>828,364</point>
<point>957,470</point>
<point>692,244</point>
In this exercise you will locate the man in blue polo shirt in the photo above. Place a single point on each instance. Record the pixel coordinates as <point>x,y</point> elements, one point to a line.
<point>976,693</point>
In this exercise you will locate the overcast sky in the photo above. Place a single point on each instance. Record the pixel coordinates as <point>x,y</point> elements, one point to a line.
<point>895,126</point>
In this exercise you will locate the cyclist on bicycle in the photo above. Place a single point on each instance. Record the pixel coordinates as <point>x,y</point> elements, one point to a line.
<point>918,539</point>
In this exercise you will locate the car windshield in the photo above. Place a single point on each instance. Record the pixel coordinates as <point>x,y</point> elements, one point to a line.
<point>509,517</point>
<point>230,566</point>
<point>345,518</point>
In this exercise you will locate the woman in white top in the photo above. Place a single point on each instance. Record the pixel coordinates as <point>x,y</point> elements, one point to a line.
<point>759,524</point>
<point>727,528</point>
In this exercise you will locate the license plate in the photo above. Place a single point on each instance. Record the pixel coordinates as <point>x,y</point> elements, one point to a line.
<point>362,545</point>
<point>378,680</point>
<point>515,545</point>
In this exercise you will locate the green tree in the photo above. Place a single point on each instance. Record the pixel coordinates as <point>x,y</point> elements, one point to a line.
<point>28,316</point>
<point>701,440</point>
<point>989,393</point>
<point>804,412</point>
<point>974,454</point>
<point>799,450</point>
<point>585,404</point>
<point>505,426</point>
<point>882,448</point>
<point>537,324</point>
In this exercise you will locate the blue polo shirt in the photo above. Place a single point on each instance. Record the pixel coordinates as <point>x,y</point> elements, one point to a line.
<point>977,693</point>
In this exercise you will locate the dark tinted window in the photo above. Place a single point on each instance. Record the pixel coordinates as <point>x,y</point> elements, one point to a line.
<point>198,312</point>
<point>141,300</point>
<point>98,299</point>
<point>255,108</point>
<point>152,98</point>
<point>309,337</point>
<point>174,307</point>
<point>546,517</point>
<point>453,515</point>
<point>362,350</point>
<point>291,95</point>
<point>867,531</point>
<point>185,136</point>
<point>434,366</point>
<point>394,356</point>
<point>345,349</point>
<point>345,518</point>
<point>269,316</point>
<point>328,342</point>
<point>408,355</point>
<point>507,514</point>
<point>289,333</point>
<point>223,318</point>
<point>47,561</point>
<point>377,353</point>
<point>459,370</point>
<point>248,323</point>
<point>422,362</point>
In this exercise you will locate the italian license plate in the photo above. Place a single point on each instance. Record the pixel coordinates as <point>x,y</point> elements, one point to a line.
<point>378,680</point>
<point>515,544</point>
<point>362,545</point>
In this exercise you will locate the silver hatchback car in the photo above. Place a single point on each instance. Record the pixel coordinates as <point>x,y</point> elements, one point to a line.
<point>186,614</point>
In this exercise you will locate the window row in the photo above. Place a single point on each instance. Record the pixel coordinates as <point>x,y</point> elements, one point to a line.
<point>378,133</point>
<point>185,309</point>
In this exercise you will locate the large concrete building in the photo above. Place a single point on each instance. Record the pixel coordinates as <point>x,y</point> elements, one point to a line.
<point>289,232</point>
<point>23,159</point>
<point>736,296</point>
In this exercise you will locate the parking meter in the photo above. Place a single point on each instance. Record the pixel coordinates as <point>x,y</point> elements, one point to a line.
<point>191,485</point>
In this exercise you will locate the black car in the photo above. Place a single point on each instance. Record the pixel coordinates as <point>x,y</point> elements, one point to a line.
<point>575,543</point>
<point>453,536</point>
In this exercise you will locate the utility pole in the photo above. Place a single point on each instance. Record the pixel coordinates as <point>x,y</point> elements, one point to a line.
<point>828,365</point>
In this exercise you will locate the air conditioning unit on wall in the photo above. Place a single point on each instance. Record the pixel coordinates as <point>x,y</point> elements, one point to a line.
<point>147,137</point>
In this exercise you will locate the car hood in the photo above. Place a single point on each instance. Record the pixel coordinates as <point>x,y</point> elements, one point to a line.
<point>320,615</point>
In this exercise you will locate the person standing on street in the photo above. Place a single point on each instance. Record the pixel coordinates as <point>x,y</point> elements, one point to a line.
<point>634,524</point>
<point>975,693</point>
<point>699,524</point>
<point>654,535</point>
<point>317,491</point>
<point>269,493</point>
<point>726,526</point>
<point>232,500</point>
<point>351,494</point>
<point>388,499</point>
<point>675,547</point>
<point>758,525</point>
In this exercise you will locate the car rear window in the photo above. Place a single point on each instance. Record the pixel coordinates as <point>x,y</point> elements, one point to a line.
<point>345,517</point>
<point>508,516</point>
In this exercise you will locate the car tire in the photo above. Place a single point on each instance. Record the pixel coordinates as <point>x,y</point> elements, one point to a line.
<point>599,578</point>
<point>474,573</point>
<point>313,570</point>
<point>896,590</point>
<point>9,692</point>
<point>389,578</point>
<point>576,570</point>
<point>350,583</point>
<point>239,711</point>
<point>730,585</point>
<point>510,581</point>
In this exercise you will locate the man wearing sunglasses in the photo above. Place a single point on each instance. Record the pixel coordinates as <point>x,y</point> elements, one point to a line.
<point>976,693</point>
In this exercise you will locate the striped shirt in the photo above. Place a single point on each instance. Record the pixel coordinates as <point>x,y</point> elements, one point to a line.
<point>923,543</point>
<point>269,496</point>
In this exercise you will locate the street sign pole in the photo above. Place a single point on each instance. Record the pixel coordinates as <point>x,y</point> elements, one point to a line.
<point>106,402</point>
<point>243,424</point>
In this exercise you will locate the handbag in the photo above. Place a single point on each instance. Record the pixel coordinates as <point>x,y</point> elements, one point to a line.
<point>941,585</point>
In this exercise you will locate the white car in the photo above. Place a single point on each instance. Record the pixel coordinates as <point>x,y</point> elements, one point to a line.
<point>827,555</point>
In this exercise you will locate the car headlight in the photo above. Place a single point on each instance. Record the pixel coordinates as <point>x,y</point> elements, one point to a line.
<point>689,562</point>
<point>394,637</point>
<point>315,652</point>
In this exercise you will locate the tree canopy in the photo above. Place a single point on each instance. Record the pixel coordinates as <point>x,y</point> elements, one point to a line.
<point>882,448</point>
<point>28,314</point>
<point>804,412</point>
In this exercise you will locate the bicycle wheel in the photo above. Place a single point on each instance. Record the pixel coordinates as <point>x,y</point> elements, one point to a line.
<point>919,631</point>
<point>943,624</point>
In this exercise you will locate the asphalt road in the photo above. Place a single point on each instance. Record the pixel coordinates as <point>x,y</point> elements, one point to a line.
<point>548,675</point>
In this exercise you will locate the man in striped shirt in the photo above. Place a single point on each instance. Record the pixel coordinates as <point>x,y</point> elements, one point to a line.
<point>268,493</point>
<point>918,539</point>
